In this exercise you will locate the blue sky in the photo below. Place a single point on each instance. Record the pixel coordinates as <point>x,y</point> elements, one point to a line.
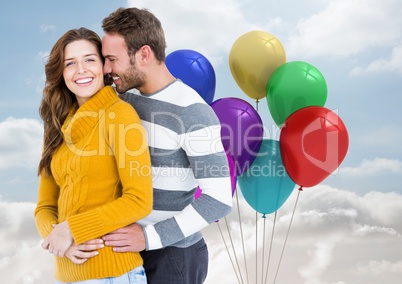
<point>357,46</point>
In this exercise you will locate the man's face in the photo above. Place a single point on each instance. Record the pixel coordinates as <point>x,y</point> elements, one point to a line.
<point>121,67</point>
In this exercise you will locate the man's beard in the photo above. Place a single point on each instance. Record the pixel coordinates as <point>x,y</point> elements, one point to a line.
<point>132,78</point>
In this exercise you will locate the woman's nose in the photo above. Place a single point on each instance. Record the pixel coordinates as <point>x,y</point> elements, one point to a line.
<point>81,68</point>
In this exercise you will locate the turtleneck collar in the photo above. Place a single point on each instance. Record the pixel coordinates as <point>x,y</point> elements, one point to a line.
<point>81,120</point>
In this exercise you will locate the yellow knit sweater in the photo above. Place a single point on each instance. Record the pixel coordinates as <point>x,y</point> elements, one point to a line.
<point>101,181</point>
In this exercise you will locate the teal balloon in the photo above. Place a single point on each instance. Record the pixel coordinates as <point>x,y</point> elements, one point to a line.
<point>292,86</point>
<point>266,185</point>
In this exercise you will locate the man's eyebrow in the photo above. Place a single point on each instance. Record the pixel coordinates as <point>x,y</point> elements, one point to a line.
<point>108,56</point>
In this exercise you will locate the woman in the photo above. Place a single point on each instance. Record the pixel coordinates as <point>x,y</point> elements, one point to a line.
<point>95,166</point>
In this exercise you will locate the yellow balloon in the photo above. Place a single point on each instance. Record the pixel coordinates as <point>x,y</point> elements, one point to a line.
<point>252,59</point>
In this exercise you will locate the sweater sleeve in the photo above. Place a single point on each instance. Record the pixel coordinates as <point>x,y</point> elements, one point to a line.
<point>46,209</point>
<point>133,162</point>
<point>203,146</point>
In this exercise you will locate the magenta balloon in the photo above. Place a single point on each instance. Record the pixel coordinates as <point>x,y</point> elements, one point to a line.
<point>232,169</point>
<point>242,130</point>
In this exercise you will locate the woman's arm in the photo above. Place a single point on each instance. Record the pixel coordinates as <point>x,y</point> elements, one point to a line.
<point>57,237</point>
<point>134,168</point>
<point>46,210</point>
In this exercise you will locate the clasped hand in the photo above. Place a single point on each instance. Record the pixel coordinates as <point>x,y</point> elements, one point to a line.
<point>60,243</point>
<point>59,240</point>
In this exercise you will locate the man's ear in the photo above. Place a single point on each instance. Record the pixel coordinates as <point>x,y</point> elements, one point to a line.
<point>145,53</point>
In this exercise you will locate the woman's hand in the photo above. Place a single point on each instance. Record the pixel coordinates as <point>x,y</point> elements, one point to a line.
<point>59,240</point>
<point>81,253</point>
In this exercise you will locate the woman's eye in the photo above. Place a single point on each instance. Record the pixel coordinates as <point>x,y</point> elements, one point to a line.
<point>69,63</point>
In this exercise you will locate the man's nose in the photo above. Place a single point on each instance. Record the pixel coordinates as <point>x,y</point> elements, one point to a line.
<point>106,68</point>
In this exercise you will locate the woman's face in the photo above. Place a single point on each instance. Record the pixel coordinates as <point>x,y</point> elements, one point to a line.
<point>83,69</point>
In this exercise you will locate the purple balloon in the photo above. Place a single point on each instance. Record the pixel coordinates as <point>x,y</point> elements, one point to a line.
<point>242,130</point>
<point>195,70</point>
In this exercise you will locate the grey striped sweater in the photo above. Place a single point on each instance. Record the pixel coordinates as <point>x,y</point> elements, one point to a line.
<point>186,152</point>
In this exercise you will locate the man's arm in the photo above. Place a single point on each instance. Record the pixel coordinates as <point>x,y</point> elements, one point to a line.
<point>130,238</point>
<point>203,146</point>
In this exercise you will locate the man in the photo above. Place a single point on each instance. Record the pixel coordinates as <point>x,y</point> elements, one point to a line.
<point>185,146</point>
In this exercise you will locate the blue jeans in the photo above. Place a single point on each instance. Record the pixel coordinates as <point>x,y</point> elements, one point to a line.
<point>135,276</point>
<point>177,265</point>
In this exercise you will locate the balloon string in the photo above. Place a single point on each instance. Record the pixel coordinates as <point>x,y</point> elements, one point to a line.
<point>227,250</point>
<point>263,249</point>
<point>270,247</point>
<point>272,237</point>
<point>230,236</point>
<point>241,233</point>
<point>287,234</point>
<point>256,104</point>
<point>256,245</point>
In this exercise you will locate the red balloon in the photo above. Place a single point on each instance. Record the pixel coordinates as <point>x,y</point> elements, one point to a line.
<point>313,143</point>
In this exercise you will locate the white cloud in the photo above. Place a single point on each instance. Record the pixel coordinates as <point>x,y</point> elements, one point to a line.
<point>21,143</point>
<point>331,29</point>
<point>380,267</point>
<point>348,27</point>
<point>393,64</point>
<point>47,28</point>
<point>210,28</point>
<point>22,260</point>
<point>321,258</point>
<point>43,55</point>
<point>335,237</point>
<point>374,167</point>
<point>383,136</point>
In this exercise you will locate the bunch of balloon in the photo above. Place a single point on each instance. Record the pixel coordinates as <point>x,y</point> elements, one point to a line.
<point>195,70</point>
<point>242,136</point>
<point>313,140</point>
<point>254,56</point>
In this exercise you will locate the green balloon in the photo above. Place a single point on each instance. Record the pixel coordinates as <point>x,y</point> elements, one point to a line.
<point>292,86</point>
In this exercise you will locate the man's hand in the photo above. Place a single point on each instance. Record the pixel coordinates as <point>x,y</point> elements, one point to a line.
<point>81,253</point>
<point>130,238</point>
<point>59,240</point>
